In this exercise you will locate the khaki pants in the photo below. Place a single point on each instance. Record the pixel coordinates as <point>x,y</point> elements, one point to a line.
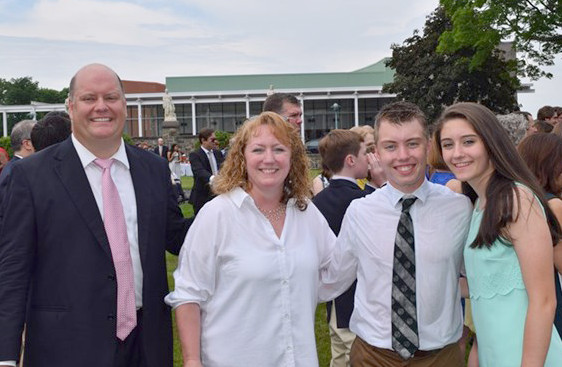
<point>365,355</point>
<point>341,341</point>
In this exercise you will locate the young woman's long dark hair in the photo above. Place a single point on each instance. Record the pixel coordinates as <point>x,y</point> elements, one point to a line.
<point>509,168</point>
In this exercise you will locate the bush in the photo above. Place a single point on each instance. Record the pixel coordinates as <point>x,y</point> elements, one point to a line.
<point>6,143</point>
<point>127,139</point>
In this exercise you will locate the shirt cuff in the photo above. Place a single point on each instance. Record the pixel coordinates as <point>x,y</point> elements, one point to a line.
<point>8,363</point>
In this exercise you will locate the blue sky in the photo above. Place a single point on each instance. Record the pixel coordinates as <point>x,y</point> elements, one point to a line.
<point>148,40</point>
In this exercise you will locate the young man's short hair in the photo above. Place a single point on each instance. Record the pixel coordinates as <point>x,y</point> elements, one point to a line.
<point>546,112</point>
<point>399,113</point>
<point>205,134</point>
<point>337,145</point>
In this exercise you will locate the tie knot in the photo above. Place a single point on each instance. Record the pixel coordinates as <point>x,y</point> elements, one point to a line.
<point>407,203</point>
<point>103,163</point>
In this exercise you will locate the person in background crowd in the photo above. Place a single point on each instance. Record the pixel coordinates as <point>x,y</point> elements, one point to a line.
<point>53,128</point>
<point>174,156</point>
<point>438,171</point>
<point>403,243</point>
<point>345,153</point>
<point>516,125</point>
<point>547,114</point>
<point>511,283</point>
<point>375,177</point>
<point>205,164</point>
<point>321,181</point>
<point>161,149</point>
<point>286,105</point>
<point>543,155</point>
<point>20,139</point>
<point>83,248</point>
<point>4,158</point>
<point>541,126</point>
<point>246,286</point>
<point>530,121</point>
<point>557,130</point>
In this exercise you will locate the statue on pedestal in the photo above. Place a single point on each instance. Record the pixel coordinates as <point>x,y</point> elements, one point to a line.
<point>169,109</point>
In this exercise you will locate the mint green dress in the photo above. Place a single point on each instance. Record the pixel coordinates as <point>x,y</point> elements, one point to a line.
<point>499,303</point>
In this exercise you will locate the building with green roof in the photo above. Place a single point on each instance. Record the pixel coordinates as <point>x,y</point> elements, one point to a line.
<point>329,100</point>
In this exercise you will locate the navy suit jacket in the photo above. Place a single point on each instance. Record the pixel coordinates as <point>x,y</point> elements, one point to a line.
<point>332,203</point>
<point>164,152</point>
<point>56,270</point>
<point>8,168</point>
<point>201,167</point>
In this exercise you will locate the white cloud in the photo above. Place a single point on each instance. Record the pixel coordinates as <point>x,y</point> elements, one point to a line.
<point>117,22</point>
<point>149,40</point>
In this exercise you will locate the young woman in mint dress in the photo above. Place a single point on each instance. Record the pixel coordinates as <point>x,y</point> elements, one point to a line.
<point>509,250</point>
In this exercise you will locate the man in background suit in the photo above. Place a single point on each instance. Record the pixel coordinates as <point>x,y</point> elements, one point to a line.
<point>345,154</point>
<point>20,139</point>
<point>161,149</point>
<point>285,105</point>
<point>82,251</point>
<point>205,164</point>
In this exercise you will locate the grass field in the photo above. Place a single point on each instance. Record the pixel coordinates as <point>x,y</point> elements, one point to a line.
<point>321,327</point>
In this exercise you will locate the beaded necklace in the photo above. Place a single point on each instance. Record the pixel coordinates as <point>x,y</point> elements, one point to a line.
<point>274,215</point>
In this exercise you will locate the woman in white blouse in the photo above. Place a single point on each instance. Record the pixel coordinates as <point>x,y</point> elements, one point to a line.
<point>246,286</point>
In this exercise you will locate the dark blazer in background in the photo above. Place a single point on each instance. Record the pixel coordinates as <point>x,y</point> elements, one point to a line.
<point>8,168</point>
<point>332,203</point>
<point>201,167</point>
<point>55,260</point>
<point>164,152</point>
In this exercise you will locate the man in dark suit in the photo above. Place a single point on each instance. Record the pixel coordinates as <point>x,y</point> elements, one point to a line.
<point>85,274</point>
<point>20,138</point>
<point>205,163</point>
<point>345,154</point>
<point>161,149</point>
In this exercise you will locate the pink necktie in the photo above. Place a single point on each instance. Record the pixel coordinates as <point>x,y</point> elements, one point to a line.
<point>116,229</point>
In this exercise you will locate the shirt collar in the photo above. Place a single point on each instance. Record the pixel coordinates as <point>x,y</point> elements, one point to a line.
<point>87,157</point>
<point>395,195</point>
<point>337,177</point>
<point>206,150</point>
<point>238,196</point>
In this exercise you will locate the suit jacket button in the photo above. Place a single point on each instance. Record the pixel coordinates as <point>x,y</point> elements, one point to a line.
<point>111,317</point>
<point>111,277</point>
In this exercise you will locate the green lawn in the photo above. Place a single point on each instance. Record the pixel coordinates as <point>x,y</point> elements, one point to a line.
<point>321,327</point>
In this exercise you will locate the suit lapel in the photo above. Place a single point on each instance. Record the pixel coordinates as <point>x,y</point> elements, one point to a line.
<point>72,176</point>
<point>205,159</point>
<point>141,182</point>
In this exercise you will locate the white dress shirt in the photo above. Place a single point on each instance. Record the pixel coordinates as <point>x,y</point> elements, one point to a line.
<point>257,292</point>
<point>121,176</point>
<point>365,249</point>
<point>212,162</point>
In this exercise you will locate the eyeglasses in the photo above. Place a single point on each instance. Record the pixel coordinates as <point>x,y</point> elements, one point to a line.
<point>293,117</point>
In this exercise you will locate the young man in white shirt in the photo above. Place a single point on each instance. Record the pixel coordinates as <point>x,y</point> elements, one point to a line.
<point>407,301</point>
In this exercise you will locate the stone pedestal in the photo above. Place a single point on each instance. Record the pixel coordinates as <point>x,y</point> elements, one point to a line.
<point>170,130</point>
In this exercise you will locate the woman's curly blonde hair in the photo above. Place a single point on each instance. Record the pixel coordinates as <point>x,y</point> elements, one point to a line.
<point>233,172</point>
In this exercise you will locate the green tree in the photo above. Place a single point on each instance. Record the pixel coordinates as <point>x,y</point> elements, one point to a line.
<point>21,91</point>
<point>535,26</point>
<point>433,80</point>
